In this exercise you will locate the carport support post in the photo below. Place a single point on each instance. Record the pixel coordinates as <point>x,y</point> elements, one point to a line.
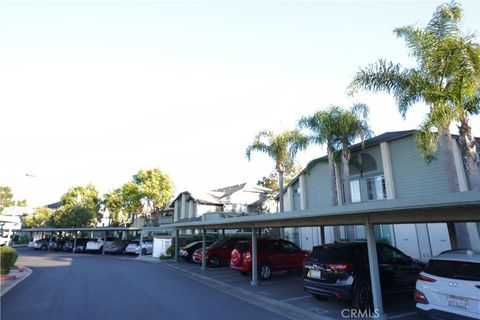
<point>177,234</point>
<point>204,244</point>
<point>254,281</point>
<point>104,242</point>
<point>452,234</point>
<point>322,235</point>
<point>74,241</point>
<point>140,245</point>
<point>374,271</point>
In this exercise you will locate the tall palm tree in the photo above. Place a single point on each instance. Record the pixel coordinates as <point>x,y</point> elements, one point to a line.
<point>428,82</point>
<point>352,125</point>
<point>323,128</point>
<point>282,148</point>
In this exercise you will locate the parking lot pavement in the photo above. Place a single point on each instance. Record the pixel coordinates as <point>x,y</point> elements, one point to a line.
<point>285,288</point>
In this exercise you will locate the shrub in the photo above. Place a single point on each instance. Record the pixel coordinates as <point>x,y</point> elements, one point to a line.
<point>8,257</point>
<point>170,251</point>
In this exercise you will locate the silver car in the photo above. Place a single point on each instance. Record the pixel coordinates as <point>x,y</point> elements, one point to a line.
<point>134,246</point>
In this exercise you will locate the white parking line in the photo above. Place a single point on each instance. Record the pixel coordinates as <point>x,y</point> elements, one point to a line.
<point>297,298</point>
<point>398,316</point>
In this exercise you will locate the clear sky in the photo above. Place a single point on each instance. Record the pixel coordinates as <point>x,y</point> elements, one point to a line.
<point>94,91</point>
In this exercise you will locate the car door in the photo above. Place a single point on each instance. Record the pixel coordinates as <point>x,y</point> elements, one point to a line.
<point>293,256</point>
<point>400,272</point>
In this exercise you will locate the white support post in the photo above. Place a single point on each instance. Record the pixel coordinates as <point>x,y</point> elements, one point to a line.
<point>177,233</point>
<point>204,245</point>
<point>254,281</point>
<point>140,245</point>
<point>74,241</point>
<point>104,242</point>
<point>374,271</point>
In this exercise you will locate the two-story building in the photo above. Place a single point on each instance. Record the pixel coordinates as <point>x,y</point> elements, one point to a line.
<point>386,167</point>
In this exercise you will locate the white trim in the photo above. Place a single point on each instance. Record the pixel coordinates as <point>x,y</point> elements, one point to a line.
<point>387,170</point>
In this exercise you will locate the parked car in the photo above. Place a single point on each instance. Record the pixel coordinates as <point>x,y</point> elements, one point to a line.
<point>80,246</point>
<point>57,244</point>
<point>449,286</point>
<point>187,251</point>
<point>96,244</point>
<point>218,253</point>
<point>41,244</point>
<point>341,270</point>
<point>134,246</point>
<point>272,255</point>
<point>116,246</point>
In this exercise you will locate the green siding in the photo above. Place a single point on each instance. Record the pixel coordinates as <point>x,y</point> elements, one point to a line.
<point>317,184</point>
<point>296,196</point>
<point>413,177</point>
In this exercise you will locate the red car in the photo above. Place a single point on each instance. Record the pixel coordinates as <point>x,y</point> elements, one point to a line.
<point>272,255</point>
<point>218,253</point>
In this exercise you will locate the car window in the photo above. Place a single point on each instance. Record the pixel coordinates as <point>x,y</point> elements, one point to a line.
<point>461,270</point>
<point>328,253</point>
<point>288,246</point>
<point>389,255</point>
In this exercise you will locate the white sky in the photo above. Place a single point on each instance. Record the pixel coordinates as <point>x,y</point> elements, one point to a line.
<point>94,91</point>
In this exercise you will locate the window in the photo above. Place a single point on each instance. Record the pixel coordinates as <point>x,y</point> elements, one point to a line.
<point>390,255</point>
<point>355,191</point>
<point>376,189</point>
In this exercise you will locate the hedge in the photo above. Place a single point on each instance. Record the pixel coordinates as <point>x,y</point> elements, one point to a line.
<point>8,257</point>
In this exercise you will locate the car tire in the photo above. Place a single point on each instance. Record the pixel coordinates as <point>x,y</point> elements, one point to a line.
<point>265,271</point>
<point>362,296</point>
<point>43,247</point>
<point>214,261</point>
<point>144,251</point>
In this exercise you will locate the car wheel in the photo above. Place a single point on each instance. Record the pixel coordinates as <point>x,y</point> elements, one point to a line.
<point>362,298</point>
<point>124,251</point>
<point>265,272</point>
<point>43,247</point>
<point>144,252</point>
<point>214,261</point>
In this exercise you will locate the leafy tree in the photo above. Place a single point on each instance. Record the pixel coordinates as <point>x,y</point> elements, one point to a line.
<point>323,127</point>
<point>441,66</point>
<point>114,202</point>
<point>75,216</point>
<point>22,203</point>
<point>6,197</point>
<point>41,217</point>
<point>282,148</point>
<point>271,181</point>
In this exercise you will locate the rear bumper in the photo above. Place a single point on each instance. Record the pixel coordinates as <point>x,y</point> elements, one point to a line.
<point>328,289</point>
<point>428,311</point>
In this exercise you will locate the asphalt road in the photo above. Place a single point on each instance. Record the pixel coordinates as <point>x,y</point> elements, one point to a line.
<point>71,286</point>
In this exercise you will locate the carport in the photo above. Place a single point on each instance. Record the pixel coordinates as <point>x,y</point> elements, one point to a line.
<point>451,207</point>
<point>75,231</point>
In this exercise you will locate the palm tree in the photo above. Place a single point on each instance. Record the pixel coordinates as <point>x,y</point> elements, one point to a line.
<point>282,148</point>
<point>323,128</point>
<point>351,126</point>
<point>429,82</point>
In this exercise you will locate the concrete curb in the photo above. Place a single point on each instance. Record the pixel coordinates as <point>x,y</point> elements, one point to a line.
<point>16,276</point>
<point>272,305</point>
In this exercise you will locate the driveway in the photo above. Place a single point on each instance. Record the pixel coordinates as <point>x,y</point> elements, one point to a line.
<point>76,286</point>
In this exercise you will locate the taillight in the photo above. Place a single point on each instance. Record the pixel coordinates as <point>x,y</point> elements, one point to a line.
<point>420,297</point>
<point>247,256</point>
<point>424,278</point>
<point>339,267</point>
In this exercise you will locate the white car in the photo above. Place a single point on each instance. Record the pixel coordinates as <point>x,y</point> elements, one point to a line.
<point>41,244</point>
<point>449,286</point>
<point>134,246</point>
<point>96,244</point>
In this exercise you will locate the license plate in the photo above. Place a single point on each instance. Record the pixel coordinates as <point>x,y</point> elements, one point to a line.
<point>315,274</point>
<point>458,302</point>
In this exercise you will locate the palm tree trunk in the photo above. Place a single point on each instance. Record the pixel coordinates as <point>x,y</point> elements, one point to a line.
<point>446,149</point>
<point>333,177</point>
<point>280,198</point>
<point>468,146</point>
<point>346,173</point>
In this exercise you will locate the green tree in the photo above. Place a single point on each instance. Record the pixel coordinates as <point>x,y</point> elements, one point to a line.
<point>41,217</point>
<point>6,198</point>
<point>21,203</point>
<point>271,181</point>
<point>351,126</point>
<point>78,207</point>
<point>323,128</point>
<point>114,202</point>
<point>282,148</point>
<point>438,71</point>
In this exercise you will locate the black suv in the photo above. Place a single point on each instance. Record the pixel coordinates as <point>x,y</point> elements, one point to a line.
<point>341,270</point>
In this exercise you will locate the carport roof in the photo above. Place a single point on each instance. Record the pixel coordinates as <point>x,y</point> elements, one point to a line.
<point>458,207</point>
<point>80,229</point>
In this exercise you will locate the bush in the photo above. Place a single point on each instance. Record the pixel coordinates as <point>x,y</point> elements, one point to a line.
<point>8,257</point>
<point>170,251</point>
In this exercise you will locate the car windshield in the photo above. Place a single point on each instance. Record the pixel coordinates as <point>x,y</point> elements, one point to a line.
<point>329,254</point>
<point>242,246</point>
<point>461,270</point>
<point>218,244</point>
<point>136,242</point>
